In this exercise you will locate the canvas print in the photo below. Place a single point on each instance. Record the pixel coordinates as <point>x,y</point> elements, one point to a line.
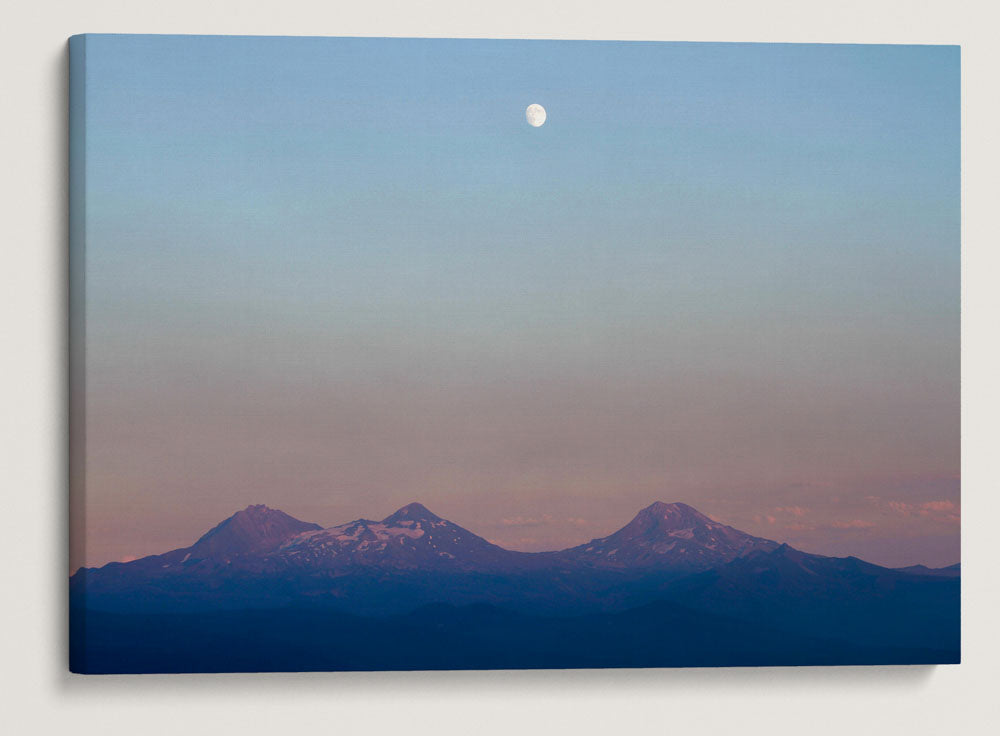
<point>415,354</point>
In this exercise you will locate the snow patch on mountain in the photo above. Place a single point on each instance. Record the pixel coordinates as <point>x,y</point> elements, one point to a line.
<point>361,531</point>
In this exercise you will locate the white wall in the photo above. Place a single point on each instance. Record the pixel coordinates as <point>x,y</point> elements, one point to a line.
<point>37,694</point>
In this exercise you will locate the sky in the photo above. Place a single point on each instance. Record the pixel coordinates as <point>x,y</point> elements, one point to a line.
<point>336,276</point>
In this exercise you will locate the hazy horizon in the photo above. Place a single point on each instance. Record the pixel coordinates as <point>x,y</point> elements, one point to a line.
<point>336,276</point>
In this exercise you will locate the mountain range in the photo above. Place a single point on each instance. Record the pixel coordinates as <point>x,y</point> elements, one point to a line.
<point>414,572</point>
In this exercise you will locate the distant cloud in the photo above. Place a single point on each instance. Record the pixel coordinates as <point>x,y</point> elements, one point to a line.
<point>576,521</point>
<point>800,526</point>
<point>805,526</point>
<point>940,511</point>
<point>796,511</point>
<point>900,507</point>
<point>853,524</point>
<point>937,506</point>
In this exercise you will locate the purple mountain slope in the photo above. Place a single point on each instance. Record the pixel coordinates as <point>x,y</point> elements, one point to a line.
<point>843,596</point>
<point>669,535</point>
<point>255,530</point>
<point>241,542</point>
<point>261,557</point>
<point>260,543</point>
<point>411,538</point>
<point>952,571</point>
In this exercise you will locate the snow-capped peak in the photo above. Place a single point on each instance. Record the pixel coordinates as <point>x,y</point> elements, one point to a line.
<point>670,535</point>
<point>411,512</point>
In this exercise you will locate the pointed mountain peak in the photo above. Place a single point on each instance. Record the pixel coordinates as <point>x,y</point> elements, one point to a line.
<point>672,536</point>
<point>411,512</point>
<point>671,515</point>
<point>256,528</point>
<point>662,507</point>
<point>257,509</point>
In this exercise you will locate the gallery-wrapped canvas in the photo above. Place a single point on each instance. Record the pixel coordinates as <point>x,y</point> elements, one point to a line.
<point>403,354</point>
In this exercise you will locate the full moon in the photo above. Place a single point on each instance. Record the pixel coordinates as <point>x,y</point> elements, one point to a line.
<point>535,115</point>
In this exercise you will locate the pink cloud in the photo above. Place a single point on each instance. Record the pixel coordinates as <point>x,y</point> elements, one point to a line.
<point>946,517</point>
<point>900,507</point>
<point>793,510</point>
<point>932,510</point>
<point>852,524</point>
<point>937,506</point>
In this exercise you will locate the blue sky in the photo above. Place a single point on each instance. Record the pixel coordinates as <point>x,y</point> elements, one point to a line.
<point>339,275</point>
